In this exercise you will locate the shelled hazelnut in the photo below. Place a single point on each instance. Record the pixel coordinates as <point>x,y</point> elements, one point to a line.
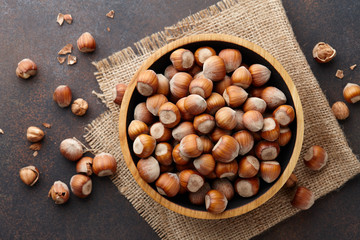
<point>79,107</point>
<point>26,68</point>
<point>34,134</point>
<point>29,175</point>
<point>340,110</point>
<point>323,52</point>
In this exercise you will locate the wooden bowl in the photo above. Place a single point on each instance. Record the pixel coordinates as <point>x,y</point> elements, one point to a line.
<point>251,54</point>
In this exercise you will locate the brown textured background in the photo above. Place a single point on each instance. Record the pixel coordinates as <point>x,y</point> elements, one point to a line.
<point>29,29</point>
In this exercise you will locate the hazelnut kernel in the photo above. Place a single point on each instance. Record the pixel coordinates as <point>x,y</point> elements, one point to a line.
<point>340,110</point>
<point>79,107</point>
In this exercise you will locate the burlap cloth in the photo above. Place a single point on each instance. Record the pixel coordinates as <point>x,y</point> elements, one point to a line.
<point>264,23</point>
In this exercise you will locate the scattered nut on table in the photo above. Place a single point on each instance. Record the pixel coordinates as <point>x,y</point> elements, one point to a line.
<point>340,110</point>
<point>323,52</point>
<point>26,68</point>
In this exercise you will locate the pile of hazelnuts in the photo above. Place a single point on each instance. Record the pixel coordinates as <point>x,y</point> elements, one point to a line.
<point>210,126</point>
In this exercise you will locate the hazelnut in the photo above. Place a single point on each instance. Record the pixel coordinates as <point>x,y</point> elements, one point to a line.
<point>182,130</point>
<point>225,186</point>
<point>256,92</point>
<point>239,120</point>
<point>201,86</point>
<point>141,113</point>
<point>169,115</point>
<point>182,59</point>
<point>198,198</point>
<point>207,144</point>
<point>214,68</point>
<point>81,185</point>
<point>84,165</point>
<point>245,140</point>
<point>284,115</point>
<point>260,74</point>
<point>136,128</point>
<point>225,118</point>
<point>203,53</point>
<point>164,85</point>
<point>204,164</point>
<point>215,202</point>
<point>270,171</point>
<point>71,149</point>
<point>271,129</point>
<point>292,181</point>
<point>30,175</point>
<point>34,134</point>
<point>226,149</point>
<point>303,199</point>
<point>315,158</point>
<point>191,146</point>
<point>195,104</point>
<point>185,115</point>
<point>254,103</point>
<point>163,153</point>
<point>241,78</point>
<point>323,52</point>
<point>62,96</point>
<point>104,164</point>
<point>232,59</point>
<point>118,93</point>
<point>267,151</point>
<point>235,96</point>
<point>253,120</point>
<point>179,158</point>
<point>340,110</point>
<point>221,85</point>
<point>247,187</point>
<point>284,137</point>
<point>168,184</point>
<point>147,83</point>
<point>273,97</point>
<point>26,68</point>
<point>86,43</point>
<point>59,192</point>
<point>144,145</point>
<point>79,107</point>
<point>191,180</point>
<point>351,92</point>
<point>204,123</point>
<point>160,132</point>
<point>214,103</point>
<point>248,167</point>
<point>170,71</point>
<point>149,169</point>
<point>218,133</point>
<point>194,70</point>
<point>179,85</point>
<point>227,170</point>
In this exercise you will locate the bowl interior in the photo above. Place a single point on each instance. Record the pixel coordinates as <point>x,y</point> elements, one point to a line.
<point>249,57</point>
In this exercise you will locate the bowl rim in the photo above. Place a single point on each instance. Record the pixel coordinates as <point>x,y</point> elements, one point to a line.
<point>279,182</point>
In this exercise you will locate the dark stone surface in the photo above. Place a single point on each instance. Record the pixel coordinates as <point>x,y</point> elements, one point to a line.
<point>29,29</point>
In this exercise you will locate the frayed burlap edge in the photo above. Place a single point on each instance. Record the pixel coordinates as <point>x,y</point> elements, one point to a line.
<point>264,23</point>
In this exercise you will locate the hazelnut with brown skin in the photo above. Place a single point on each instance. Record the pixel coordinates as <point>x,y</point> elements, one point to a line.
<point>26,68</point>
<point>340,110</point>
<point>79,107</point>
<point>34,134</point>
<point>29,175</point>
<point>323,52</point>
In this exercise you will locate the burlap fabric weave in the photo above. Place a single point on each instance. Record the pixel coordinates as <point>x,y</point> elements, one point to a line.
<point>264,23</point>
